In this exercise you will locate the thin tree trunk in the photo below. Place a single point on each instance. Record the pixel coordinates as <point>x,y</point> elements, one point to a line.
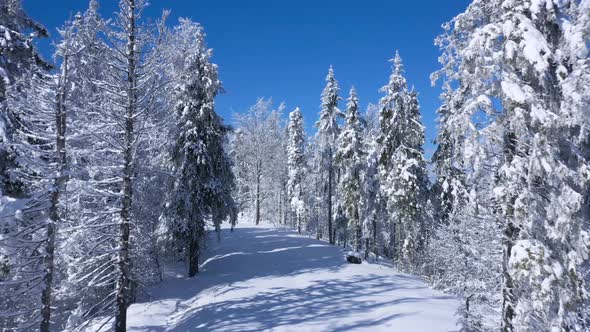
<point>508,289</point>
<point>375,235</point>
<point>58,187</point>
<point>217,223</point>
<point>124,264</point>
<point>280,207</point>
<point>510,234</point>
<point>257,203</point>
<point>358,234</point>
<point>331,235</point>
<point>193,256</point>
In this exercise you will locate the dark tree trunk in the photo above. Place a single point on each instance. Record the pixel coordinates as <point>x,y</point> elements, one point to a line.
<point>59,187</point>
<point>331,233</point>
<point>193,256</point>
<point>257,203</point>
<point>375,235</point>
<point>358,231</point>
<point>124,263</point>
<point>508,298</point>
<point>509,237</point>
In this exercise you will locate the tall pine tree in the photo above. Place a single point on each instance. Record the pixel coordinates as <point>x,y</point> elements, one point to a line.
<point>402,168</point>
<point>350,158</point>
<point>296,166</point>
<point>327,136</point>
<point>204,180</point>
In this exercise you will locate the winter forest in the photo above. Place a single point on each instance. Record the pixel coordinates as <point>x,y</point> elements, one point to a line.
<point>116,169</point>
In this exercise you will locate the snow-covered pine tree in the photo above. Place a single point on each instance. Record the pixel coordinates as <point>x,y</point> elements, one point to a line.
<point>313,184</point>
<point>22,210</point>
<point>70,45</point>
<point>523,55</point>
<point>542,182</point>
<point>350,158</point>
<point>296,166</point>
<point>374,209</point>
<point>39,101</point>
<point>25,223</point>
<point>326,137</point>
<point>465,251</point>
<point>86,252</point>
<point>402,168</point>
<point>202,167</point>
<point>17,55</point>
<point>124,78</point>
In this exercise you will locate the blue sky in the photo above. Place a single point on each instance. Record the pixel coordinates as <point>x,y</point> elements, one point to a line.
<point>282,49</point>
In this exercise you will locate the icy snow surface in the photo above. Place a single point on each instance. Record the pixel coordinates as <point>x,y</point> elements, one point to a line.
<point>262,279</point>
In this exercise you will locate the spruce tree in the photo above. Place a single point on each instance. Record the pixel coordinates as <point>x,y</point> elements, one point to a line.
<point>402,168</point>
<point>327,135</point>
<point>514,61</point>
<point>296,166</point>
<point>198,155</point>
<point>350,158</point>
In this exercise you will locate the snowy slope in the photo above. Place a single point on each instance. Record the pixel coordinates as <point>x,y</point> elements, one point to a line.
<point>259,279</point>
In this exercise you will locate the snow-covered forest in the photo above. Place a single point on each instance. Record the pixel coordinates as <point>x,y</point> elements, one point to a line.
<point>114,166</point>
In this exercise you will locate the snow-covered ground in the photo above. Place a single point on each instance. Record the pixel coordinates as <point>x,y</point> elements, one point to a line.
<point>260,279</point>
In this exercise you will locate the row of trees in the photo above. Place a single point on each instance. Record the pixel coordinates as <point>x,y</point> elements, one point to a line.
<point>359,182</point>
<point>126,113</point>
<point>504,220</point>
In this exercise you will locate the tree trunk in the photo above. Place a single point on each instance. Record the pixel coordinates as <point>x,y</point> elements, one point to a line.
<point>331,234</point>
<point>508,298</point>
<point>193,256</point>
<point>357,231</point>
<point>280,207</point>
<point>375,235</point>
<point>124,264</point>
<point>510,234</point>
<point>217,223</point>
<point>257,203</point>
<point>58,187</point>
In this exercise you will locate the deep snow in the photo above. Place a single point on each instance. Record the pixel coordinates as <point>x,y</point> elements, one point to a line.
<point>259,278</point>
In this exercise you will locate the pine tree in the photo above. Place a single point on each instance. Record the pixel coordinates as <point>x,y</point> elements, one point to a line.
<point>402,168</point>
<point>18,56</point>
<point>22,203</point>
<point>204,179</point>
<point>374,209</point>
<point>124,78</point>
<point>513,61</point>
<point>350,158</point>
<point>296,165</point>
<point>327,135</point>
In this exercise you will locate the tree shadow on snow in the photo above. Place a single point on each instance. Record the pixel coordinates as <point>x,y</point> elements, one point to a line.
<point>323,300</point>
<point>250,253</point>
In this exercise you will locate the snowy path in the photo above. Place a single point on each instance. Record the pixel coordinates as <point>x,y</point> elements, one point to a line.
<point>260,279</point>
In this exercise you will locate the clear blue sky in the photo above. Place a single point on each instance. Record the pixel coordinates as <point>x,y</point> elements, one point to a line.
<point>282,49</point>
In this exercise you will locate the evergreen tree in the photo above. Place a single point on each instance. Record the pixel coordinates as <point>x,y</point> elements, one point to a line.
<point>523,55</point>
<point>17,57</point>
<point>327,136</point>
<point>22,236</point>
<point>296,166</point>
<point>350,158</point>
<point>402,168</point>
<point>204,179</point>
